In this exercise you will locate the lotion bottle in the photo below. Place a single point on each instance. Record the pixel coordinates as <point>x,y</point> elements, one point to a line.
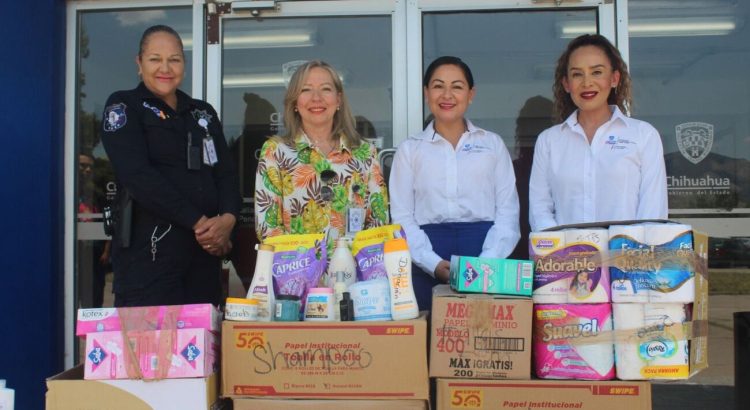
<point>397,261</point>
<point>342,262</point>
<point>261,287</point>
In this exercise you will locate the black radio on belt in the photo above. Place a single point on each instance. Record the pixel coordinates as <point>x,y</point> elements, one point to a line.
<point>194,154</point>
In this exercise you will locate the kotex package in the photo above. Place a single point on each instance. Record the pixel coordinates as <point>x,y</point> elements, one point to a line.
<point>560,346</point>
<point>299,262</point>
<point>367,249</point>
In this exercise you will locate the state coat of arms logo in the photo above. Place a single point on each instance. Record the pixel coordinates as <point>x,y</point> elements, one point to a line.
<point>694,140</point>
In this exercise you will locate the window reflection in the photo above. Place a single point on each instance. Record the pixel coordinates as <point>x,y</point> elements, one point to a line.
<point>689,67</point>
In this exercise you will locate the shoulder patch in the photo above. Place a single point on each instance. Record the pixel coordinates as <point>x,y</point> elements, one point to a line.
<point>114,117</point>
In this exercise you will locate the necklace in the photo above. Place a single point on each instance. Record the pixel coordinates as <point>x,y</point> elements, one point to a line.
<point>324,148</point>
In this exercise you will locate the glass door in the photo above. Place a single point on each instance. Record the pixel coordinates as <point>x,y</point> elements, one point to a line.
<point>512,49</point>
<point>258,49</point>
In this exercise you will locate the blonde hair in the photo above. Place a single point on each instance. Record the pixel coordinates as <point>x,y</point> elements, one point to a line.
<point>619,96</point>
<point>343,120</point>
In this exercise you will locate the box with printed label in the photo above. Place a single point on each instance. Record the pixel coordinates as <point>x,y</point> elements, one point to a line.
<point>542,394</point>
<point>326,360</point>
<point>202,316</point>
<point>68,391</point>
<point>479,336</point>
<point>185,352</point>
<point>292,404</point>
<point>491,275</point>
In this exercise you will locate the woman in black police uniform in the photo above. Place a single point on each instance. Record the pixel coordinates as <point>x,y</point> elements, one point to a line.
<point>169,155</point>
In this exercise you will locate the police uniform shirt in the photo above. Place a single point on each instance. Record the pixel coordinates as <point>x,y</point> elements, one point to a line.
<point>619,176</point>
<point>146,141</point>
<point>432,182</point>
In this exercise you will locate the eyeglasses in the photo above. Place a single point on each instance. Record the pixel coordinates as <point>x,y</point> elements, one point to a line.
<point>84,165</point>
<point>326,192</point>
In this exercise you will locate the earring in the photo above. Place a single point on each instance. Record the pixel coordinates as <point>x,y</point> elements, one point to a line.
<point>295,109</point>
<point>338,108</point>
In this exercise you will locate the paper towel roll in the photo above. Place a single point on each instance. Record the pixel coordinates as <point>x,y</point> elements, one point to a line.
<point>545,249</point>
<point>559,347</point>
<point>630,282</point>
<point>673,279</point>
<point>655,354</point>
<point>589,282</point>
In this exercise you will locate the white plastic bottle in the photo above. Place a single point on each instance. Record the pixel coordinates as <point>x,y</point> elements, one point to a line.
<point>397,261</point>
<point>261,288</point>
<point>7,397</point>
<point>342,261</point>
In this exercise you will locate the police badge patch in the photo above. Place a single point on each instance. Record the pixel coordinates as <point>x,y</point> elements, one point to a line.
<point>114,117</point>
<point>695,140</point>
<point>202,115</point>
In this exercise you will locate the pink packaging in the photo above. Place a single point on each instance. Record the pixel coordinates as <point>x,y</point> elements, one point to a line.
<point>189,352</point>
<point>558,342</point>
<point>198,316</point>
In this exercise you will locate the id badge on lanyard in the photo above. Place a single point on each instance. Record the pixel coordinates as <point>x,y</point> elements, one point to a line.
<point>209,150</point>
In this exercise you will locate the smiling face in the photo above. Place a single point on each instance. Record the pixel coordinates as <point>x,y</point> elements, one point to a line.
<point>318,99</point>
<point>162,65</point>
<point>590,79</point>
<point>448,94</point>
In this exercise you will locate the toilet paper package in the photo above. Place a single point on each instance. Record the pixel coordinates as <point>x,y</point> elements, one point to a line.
<point>666,255</point>
<point>570,266</point>
<point>652,263</point>
<point>549,286</point>
<point>559,343</point>
<point>674,277</point>
<point>653,351</point>
<point>630,279</point>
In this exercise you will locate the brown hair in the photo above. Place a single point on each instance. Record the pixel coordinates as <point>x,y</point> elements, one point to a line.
<point>620,96</point>
<point>343,120</point>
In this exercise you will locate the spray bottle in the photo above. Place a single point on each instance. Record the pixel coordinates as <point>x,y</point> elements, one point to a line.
<point>261,288</point>
<point>397,261</point>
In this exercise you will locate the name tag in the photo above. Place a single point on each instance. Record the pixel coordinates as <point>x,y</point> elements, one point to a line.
<point>209,152</point>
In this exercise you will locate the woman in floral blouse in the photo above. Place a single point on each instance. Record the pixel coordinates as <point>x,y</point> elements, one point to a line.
<point>321,170</point>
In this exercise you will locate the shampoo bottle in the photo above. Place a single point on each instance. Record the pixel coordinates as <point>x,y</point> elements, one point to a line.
<point>342,261</point>
<point>261,288</point>
<point>397,261</point>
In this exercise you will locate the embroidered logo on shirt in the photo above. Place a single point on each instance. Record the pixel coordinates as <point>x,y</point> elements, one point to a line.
<point>618,143</point>
<point>159,113</point>
<point>473,148</point>
<point>114,117</point>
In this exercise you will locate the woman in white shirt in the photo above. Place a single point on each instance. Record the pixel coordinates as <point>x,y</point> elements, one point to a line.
<point>598,164</point>
<point>452,185</point>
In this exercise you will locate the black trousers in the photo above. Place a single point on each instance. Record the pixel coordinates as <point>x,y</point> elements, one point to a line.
<point>179,272</point>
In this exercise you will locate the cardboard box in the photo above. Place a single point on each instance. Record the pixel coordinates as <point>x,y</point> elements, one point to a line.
<point>542,394</point>
<point>188,352</point>
<point>291,404</point>
<point>695,330</point>
<point>480,336</point>
<point>491,275</point>
<point>197,316</point>
<point>68,391</point>
<point>360,360</point>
